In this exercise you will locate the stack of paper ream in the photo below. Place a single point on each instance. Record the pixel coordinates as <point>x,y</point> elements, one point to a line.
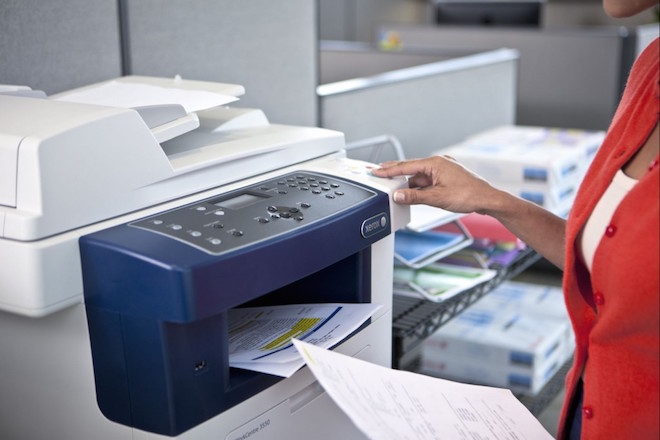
<point>543,165</point>
<point>516,337</point>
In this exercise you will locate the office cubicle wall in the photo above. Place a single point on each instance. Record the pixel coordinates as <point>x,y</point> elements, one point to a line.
<point>356,20</point>
<point>436,101</point>
<point>568,77</point>
<point>57,45</point>
<point>267,46</point>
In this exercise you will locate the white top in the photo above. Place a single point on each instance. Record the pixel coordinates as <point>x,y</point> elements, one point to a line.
<point>602,215</point>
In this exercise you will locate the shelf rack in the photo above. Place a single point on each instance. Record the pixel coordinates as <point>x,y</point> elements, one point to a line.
<point>413,319</point>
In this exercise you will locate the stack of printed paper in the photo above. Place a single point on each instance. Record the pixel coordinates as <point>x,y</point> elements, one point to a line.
<point>260,337</point>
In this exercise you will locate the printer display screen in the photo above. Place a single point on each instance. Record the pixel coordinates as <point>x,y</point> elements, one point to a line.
<point>240,201</point>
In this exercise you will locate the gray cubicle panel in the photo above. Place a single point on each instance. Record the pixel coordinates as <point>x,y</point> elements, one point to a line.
<point>267,46</point>
<point>57,45</point>
<point>569,77</point>
<point>428,101</point>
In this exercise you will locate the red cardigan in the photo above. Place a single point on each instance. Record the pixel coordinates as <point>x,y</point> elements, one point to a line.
<point>615,312</point>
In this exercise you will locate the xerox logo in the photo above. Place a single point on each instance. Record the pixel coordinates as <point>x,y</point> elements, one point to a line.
<point>374,225</point>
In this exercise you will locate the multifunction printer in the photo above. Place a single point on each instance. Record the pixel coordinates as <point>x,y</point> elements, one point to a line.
<point>127,235</point>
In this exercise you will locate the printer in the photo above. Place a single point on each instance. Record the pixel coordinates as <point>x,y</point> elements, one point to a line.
<point>127,234</point>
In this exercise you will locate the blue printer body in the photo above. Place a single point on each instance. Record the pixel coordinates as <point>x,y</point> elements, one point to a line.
<point>157,290</point>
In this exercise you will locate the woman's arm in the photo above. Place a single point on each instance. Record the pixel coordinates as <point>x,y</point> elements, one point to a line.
<point>444,183</point>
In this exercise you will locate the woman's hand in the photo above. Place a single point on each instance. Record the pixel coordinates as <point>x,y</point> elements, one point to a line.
<point>442,182</point>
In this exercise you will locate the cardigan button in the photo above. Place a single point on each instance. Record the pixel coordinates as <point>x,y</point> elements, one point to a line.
<point>610,231</point>
<point>588,412</point>
<point>599,298</point>
<point>653,164</point>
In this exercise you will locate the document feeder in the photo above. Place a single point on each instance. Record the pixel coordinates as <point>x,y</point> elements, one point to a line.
<point>157,290</point>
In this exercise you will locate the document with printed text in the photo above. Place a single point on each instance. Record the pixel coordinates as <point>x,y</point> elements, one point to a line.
<point>260,337</point>
<point>401,405</point>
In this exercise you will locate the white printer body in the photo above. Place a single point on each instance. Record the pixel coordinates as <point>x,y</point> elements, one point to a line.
<point>69,171</point>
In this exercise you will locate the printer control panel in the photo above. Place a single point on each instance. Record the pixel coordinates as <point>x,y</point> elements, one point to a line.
<point>262,211</point>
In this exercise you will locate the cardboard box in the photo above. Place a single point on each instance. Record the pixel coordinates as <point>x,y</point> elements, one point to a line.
<point>558,199</point>
<point>526,382</point>
<point>517,154</point>
<point>516,337</point>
